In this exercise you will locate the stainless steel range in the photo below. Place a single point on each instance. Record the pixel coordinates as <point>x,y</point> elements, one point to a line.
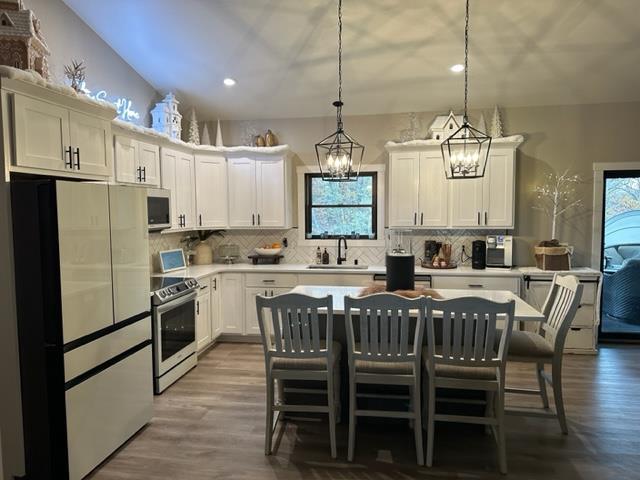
<point>173,303</point>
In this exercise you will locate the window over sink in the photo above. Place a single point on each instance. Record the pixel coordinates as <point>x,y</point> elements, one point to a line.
<point>335,209</point>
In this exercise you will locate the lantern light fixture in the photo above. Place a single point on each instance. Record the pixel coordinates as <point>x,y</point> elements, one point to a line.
<point>339,155</point>
<point>466,152</point>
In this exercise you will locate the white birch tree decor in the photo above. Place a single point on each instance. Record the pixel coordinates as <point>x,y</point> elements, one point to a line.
<point>556,196</point>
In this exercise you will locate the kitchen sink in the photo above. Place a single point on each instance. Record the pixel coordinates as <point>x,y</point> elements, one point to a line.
<point>333,266</point>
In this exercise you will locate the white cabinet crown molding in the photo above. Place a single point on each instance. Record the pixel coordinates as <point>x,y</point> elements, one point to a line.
<point>511,141</point>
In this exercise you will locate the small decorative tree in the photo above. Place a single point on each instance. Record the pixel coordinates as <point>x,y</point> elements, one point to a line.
<point>205,140</point>
<point>194,133</point>
<point>556,196</point>
<point>76,74</point>
<point>496,124</point>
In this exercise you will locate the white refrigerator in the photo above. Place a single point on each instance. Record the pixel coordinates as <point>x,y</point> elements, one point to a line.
<point>82,289</point>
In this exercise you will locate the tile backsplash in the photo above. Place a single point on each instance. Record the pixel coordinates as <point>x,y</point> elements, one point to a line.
<point>247,240</point>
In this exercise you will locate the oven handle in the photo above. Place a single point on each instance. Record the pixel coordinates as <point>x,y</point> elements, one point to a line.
<point>177,302</point>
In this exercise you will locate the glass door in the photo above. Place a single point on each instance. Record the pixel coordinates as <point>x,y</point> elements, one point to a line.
<point>620,254</point>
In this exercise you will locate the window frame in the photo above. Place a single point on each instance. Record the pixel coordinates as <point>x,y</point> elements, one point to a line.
<point>380,186</point>
<point>308,207</point>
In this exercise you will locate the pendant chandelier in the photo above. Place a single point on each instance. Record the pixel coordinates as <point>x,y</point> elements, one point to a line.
<point>465,153</point>
<point>338,152</point>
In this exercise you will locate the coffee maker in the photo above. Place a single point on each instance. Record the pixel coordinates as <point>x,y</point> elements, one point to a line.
<point>479,254</point>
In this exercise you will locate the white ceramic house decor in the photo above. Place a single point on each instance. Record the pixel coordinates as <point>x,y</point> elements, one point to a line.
<point>21,42</point>
<point>166,117</point>
<point>443,126</point>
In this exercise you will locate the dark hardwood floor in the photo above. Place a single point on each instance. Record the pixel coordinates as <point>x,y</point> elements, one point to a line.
<point>210,425</point>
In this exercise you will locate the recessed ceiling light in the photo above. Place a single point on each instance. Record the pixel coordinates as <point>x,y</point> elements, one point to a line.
<point>229,82</point>
<point>457,68</point>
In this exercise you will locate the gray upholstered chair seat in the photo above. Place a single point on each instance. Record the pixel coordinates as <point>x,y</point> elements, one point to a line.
<point>459,371</point>
<point>313,363</point>
<point>528,345</point>
<point>384,368</point>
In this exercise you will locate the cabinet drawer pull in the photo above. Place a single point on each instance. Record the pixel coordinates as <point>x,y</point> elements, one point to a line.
<point>486,221</point>
<point>200,219</point>
<point>258,219</point>
<point>77,155</point>
<point>478,218</point>
<point>415,218</point>
<point>475,285</point>
<point>422,218</point>
<point>253,219</point>
<point>198,307</point>
<point>69,163</point>
<point>272,293</point>
<point>144,174</point>
<point>215,284</point>
<point>269,281</point>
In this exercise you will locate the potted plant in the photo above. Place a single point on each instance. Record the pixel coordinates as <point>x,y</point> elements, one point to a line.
<point>198,248</point>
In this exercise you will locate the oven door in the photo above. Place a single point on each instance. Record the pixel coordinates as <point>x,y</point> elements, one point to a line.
<point>174,332</point>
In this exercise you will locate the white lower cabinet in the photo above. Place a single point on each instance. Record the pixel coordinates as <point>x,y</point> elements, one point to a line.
<point>203,315</point>
<point>232,303</point>
<point>476,282</point>
<point>216,317</point>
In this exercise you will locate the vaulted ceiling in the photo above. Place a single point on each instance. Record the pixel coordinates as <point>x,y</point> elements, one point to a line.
<point>397,53</point>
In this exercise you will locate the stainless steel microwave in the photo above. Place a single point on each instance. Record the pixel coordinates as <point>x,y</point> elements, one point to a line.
<point>158,209</point>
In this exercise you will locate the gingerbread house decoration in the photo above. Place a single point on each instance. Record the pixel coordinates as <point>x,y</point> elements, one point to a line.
<point>166,117</point>
<point>443,126</point>
<point>21,42</point>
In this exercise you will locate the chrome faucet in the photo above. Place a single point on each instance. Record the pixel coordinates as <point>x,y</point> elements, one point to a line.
<point>340,257</point>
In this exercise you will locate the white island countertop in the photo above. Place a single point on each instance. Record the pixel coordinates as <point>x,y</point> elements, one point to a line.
<point>202,271</point>
<point>523,313</point>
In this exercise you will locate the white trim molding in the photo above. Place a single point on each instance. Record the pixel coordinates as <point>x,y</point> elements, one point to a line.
<point>381,195</point>
<point>598,192</point>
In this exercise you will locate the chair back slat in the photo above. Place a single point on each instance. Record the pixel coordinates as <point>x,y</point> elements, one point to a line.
<point>388,324</point>
<point>560,309</point>
<point>315,331</point>
<point>292,325</point>
<point>404,333</point>
<point>469,331</point>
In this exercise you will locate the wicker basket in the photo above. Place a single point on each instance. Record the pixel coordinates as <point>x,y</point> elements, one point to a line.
<point>553,258</point>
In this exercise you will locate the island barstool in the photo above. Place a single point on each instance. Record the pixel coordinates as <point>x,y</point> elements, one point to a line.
<point>295,348</point>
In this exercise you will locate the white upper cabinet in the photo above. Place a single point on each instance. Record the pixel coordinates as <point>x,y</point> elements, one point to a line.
<point>466,203</point>
<point>420,195</point>
<point>259,192</point>
<point>211,190</point>
<point>137,162</point>
<point>433,194</point>
<point>270,190</point>
<point>404,179</point>
<point>178,177</point>
<point>487,202</point>
<point>126,153</point>
<point>52,137</point>
<point>499,189</point>
<point>90,140</point>
<point>242,192</point>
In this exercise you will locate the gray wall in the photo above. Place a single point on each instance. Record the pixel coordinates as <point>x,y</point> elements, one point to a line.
<point>69,38</point>
<point>556,138</point>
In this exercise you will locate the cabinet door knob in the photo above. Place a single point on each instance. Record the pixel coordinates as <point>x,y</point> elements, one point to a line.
<point>68,163</point>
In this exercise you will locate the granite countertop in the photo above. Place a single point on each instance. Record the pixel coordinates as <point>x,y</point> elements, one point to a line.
<point>201,271</point>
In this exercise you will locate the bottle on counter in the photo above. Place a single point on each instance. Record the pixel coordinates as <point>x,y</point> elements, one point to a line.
<point>318,255</point>
<point>325,257</point>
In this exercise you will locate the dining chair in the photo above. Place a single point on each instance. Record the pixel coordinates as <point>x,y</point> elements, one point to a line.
<point>297,348</point>
<point>466,359</point>
<point>384,347</point>
<point>545,346</point>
